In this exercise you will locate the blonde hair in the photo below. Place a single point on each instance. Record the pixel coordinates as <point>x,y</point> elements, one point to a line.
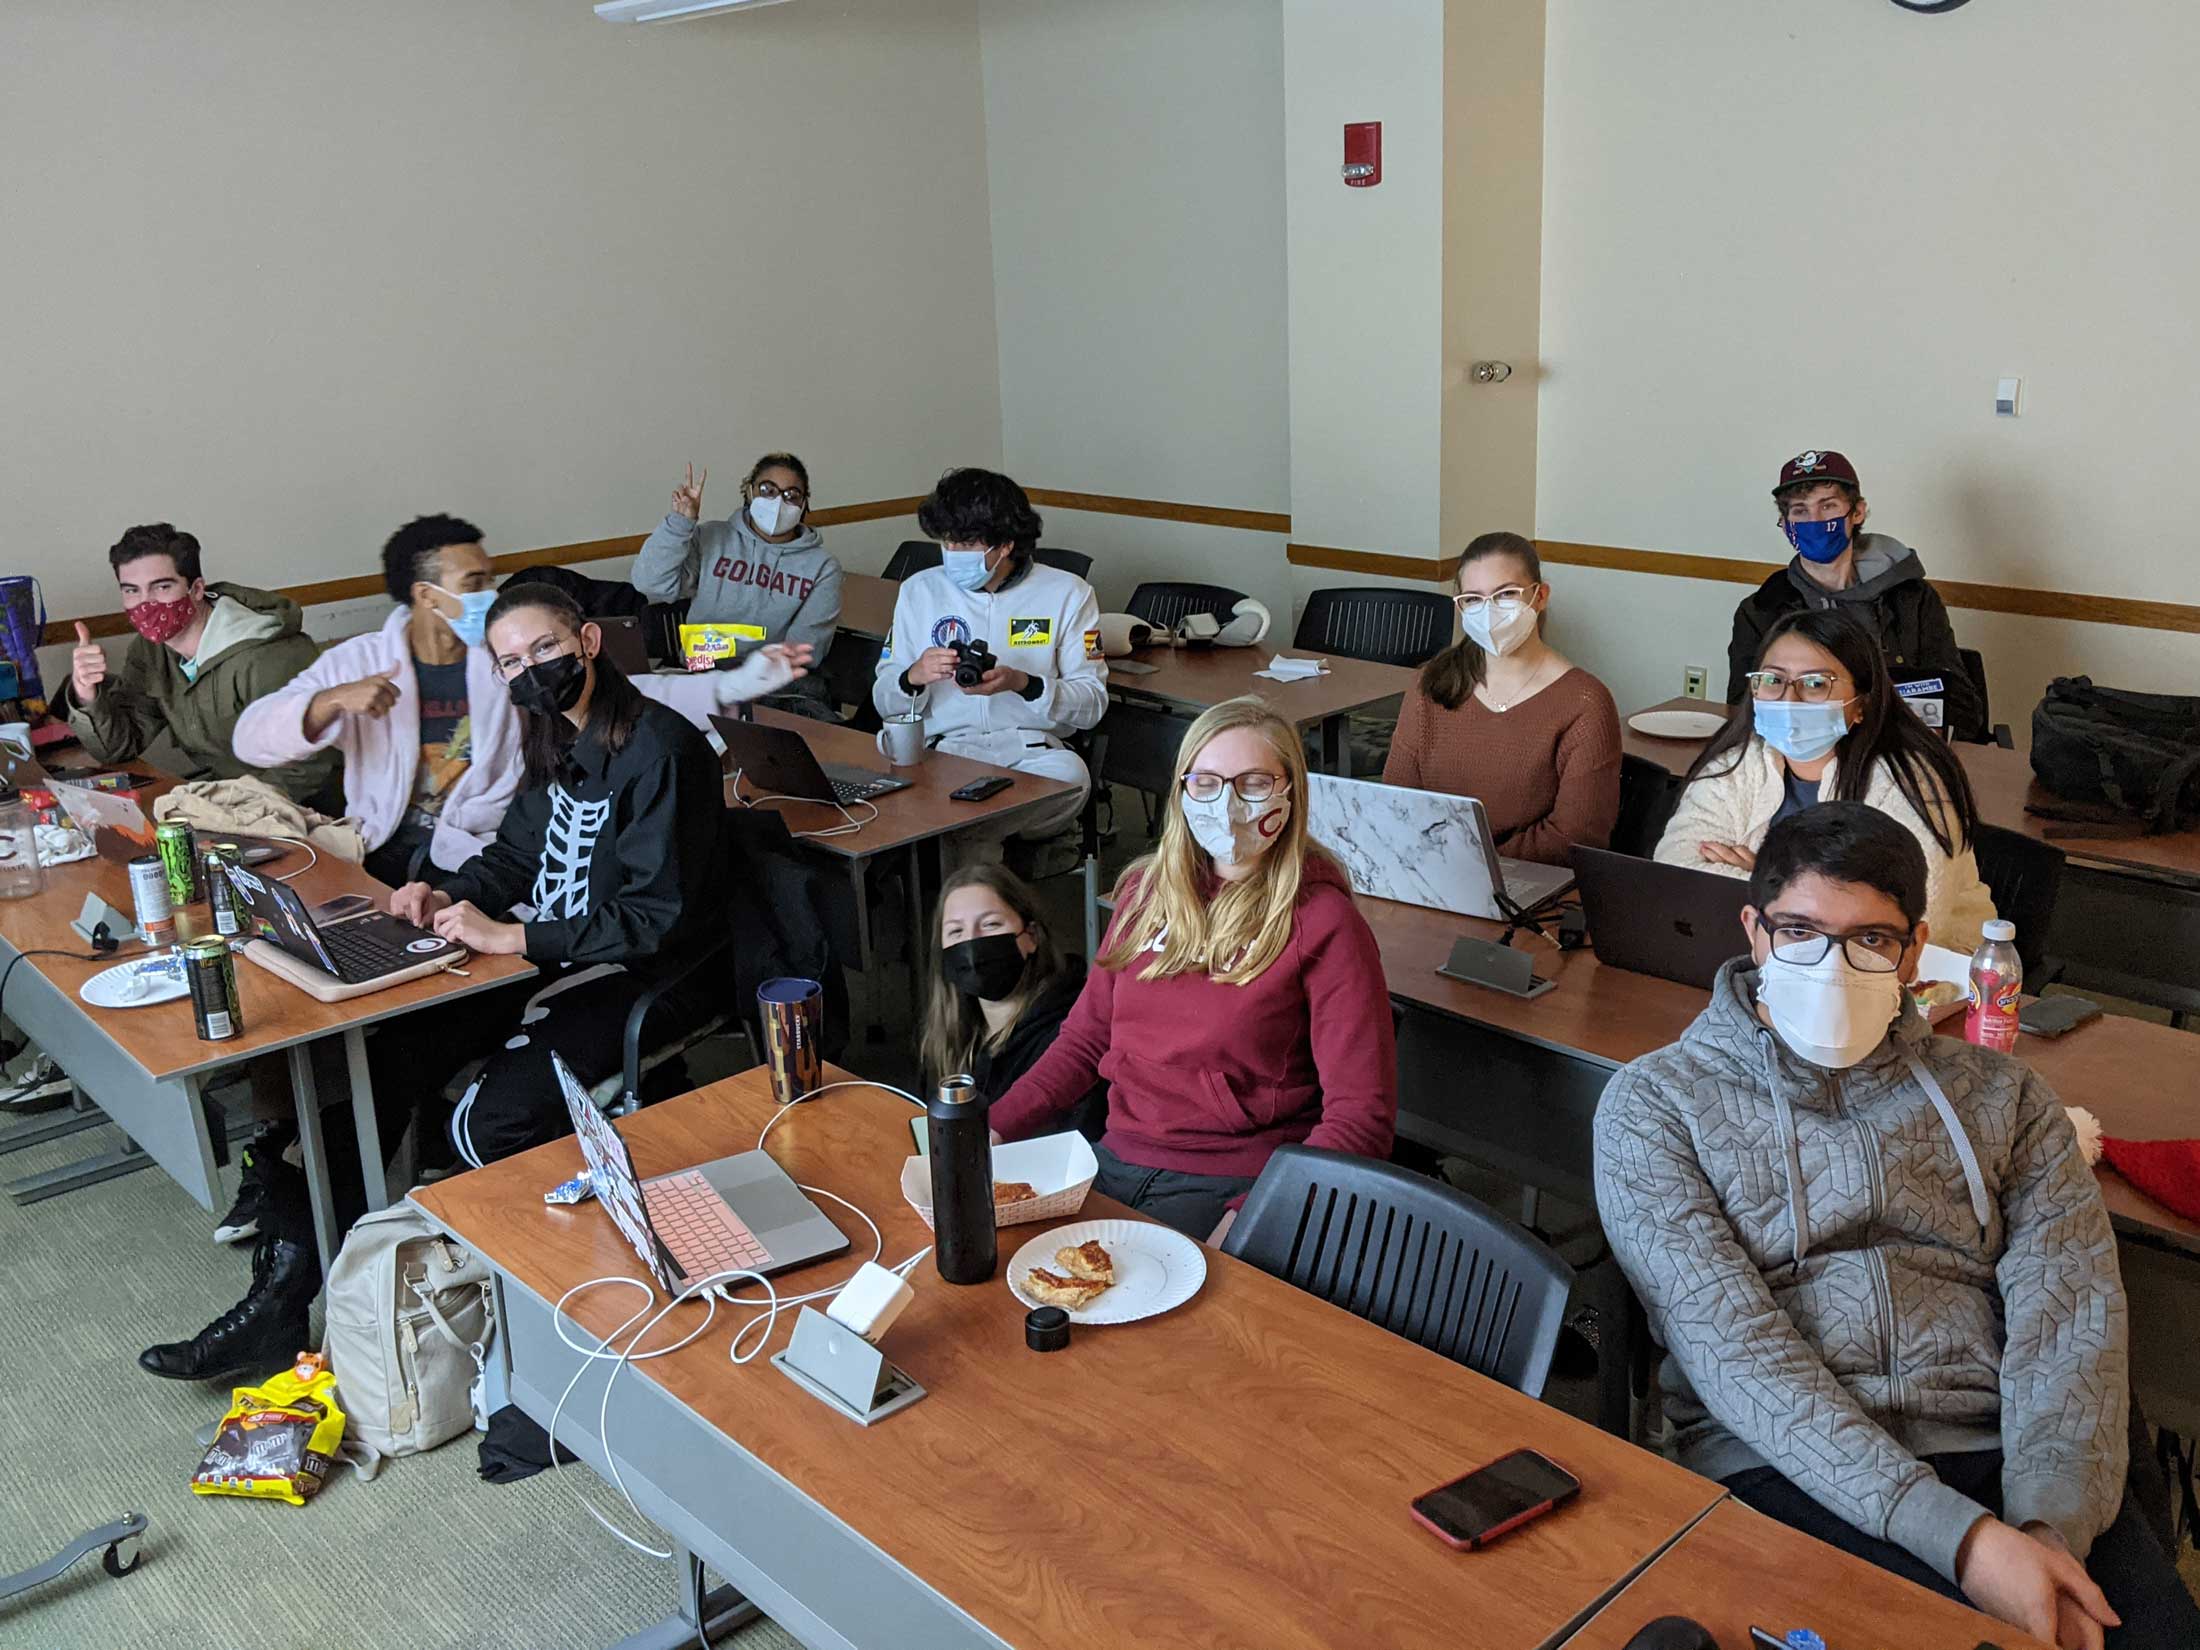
<point>1233,936</point>
<point>954,1025</point>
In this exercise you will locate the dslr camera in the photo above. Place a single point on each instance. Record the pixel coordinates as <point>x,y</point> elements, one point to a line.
<point>972,661</point>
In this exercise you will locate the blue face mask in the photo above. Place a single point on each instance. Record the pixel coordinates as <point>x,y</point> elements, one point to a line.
<point>1802,732</point>
<point>966,568</point>
<point>472,622</point>
<point>1819,541</point>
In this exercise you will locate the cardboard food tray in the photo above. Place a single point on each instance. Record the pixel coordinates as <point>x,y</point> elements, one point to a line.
<point>329,989</point>
<point>1060,1167</point>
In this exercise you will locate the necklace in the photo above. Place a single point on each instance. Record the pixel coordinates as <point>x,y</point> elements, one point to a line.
<point>1526,689</point>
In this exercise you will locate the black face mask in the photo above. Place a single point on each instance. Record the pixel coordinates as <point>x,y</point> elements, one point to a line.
<point>552,687</point>
<point>989,966</point>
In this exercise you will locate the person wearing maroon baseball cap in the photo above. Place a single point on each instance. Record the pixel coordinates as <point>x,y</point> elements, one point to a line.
<point>1874,578</point>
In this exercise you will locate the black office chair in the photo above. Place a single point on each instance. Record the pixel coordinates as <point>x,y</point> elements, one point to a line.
<point>1385,627</point>
<point>2024,875</point>
<point>914,556</point>
<point>1069,561</point>
<point>1997,733</point>
<point>1648,795</point>
<point>1166,602</point>
<point>1413,1255</point>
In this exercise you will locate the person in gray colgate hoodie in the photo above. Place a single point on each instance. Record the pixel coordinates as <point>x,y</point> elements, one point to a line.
<point>1882,1270</point>
<point>764,567</point>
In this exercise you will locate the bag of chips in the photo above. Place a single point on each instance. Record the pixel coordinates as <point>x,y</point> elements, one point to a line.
<point>278,1440</point>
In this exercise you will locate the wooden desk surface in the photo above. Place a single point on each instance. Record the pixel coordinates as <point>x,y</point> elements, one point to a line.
<point>914,815</point>
<point>1738,1569</point>
<point>867,605</point>
<point>163,1037</point>
<point>2003,783</point>
<point>1235,1472</point>
<point>1197,677</point>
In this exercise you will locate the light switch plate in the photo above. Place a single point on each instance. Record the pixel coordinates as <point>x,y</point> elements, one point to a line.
<point>2007,393</point>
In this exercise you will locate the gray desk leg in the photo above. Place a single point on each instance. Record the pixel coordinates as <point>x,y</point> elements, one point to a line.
<point>704,1616</point>
<point>307,1097</point>
<point>1336,749</point>
<point>369,1126</point>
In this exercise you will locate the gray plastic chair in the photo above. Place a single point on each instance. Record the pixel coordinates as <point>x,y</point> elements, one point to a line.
<point>1420,1258</point>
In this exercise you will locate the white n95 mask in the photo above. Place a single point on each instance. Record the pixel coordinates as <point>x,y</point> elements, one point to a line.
<point>772,516</point>
<point>1497,632</point>
<point>1828,1012</point>
<point>1235,831</point>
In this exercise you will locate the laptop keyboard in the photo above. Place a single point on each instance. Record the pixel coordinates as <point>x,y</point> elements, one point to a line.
<point>364,951</point>
<point>850,790</point>
<point>704,1235</point>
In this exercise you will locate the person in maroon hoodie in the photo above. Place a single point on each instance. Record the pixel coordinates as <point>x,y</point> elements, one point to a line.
<point>1238,1001</point>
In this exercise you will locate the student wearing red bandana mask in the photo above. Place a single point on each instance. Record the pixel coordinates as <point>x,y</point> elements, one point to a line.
<point>201,654</point>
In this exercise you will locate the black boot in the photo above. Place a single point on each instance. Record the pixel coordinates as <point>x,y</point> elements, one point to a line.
<point>261,1333</point>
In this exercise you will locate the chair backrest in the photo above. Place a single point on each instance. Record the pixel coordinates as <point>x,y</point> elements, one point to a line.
<point>914,556</point>
<point>1166,602</point>
<point>2024,875</point>
<point>1414,1255</point>
<point>1138,747</point>
<point>1974,666</point>
<point>1069,561</point>
<point>1385,627</point>
<point>1648,795</point>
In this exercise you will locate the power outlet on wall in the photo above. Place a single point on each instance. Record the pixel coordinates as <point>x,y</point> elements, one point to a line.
<point>1694,680</point>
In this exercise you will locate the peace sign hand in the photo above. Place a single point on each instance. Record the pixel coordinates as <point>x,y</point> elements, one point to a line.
<point>687,500</point>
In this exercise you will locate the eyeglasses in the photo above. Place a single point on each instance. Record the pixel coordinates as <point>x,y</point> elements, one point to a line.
<point>511,664</point>
<point>1813,687</point>
<point>1508,600</point>
<point>793,495</point>
<point>1251,787</point>
<point>1874,951</point>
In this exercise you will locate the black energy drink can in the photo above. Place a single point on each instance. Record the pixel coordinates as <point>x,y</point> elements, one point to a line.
<point>212,975</point>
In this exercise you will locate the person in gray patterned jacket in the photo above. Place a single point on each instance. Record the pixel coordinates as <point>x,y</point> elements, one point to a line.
<point>1880,1266</point>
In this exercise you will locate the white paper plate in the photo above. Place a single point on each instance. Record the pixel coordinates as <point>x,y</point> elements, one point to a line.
<point>1155,1269</point>
<point>161,977</point>
<point>1677,724</point>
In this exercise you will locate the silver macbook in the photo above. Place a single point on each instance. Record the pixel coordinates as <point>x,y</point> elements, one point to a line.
<point>741,1212</point>
<point>1423,848</point>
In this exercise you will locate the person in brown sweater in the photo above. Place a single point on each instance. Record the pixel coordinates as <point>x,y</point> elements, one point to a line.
<point>1504,717</point>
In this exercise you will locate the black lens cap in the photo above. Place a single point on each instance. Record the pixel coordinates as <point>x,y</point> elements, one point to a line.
<point>1046,1329</point>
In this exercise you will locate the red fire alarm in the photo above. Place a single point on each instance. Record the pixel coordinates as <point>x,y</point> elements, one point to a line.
<point>1363,154</point>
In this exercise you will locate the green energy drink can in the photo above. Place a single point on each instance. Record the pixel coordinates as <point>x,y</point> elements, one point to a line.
<point>221,893</point>
<point>178,850</point>
<point>212,976</point>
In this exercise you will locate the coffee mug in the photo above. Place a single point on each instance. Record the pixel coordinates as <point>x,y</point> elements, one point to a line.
<point>901,740</point>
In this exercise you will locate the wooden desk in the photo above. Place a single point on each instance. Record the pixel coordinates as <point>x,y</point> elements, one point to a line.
<point>1738,1569</point>
<point>1233,1473</point>
<point>146,1067</point>
<point>867,605</point>
<point>1194,678</point>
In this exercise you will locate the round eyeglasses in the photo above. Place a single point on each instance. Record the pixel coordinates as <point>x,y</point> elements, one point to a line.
<point>1813,687</point>
<point>793,495</point>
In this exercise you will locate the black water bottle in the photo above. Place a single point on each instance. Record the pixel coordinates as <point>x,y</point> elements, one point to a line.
<point>962,1182</point>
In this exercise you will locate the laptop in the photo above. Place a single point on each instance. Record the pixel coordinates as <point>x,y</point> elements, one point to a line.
<point>356,949</point>
<point>623,643</point>
<point>1673,921</point>
<point>779,762</point>
<point>739,1212</point>
<point>1423,848</point>
<point>118,828</point>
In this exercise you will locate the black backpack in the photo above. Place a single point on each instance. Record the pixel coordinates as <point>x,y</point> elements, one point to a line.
<point>2116,757</point>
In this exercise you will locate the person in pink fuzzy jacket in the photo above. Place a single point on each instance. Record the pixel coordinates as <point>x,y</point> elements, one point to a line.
<point>429,735</point>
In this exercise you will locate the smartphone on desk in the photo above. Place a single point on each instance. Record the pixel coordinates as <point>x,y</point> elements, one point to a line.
<point>1491,1501</point>
<point>979,789</point>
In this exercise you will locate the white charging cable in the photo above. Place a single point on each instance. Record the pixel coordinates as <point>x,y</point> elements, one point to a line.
<point>852,826</point>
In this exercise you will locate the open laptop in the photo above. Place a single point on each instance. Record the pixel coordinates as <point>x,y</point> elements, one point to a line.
<point>779,762</point>
<point>1423,848</point>
<point>741,1211</point>
<point>357,949</point>
<point>118,828</point>
<point>623,642</point>
<point>1673,921</point>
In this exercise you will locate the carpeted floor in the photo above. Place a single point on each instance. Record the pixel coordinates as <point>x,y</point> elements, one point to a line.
<point>425,1556</point>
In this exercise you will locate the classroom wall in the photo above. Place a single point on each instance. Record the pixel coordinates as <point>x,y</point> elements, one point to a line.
<point>1776,224</point>
<point>291,274</point>
<point>1135,176</point>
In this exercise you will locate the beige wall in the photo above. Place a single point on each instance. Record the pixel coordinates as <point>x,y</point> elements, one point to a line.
<point>1775,224</point>
<point>1136,183</point>
<point>289,274</point>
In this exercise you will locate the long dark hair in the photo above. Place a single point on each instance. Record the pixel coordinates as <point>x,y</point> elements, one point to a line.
<point>546,742</point>
<point>954,1025</point>
<point>1925,770</point>
<point>1458,670</point>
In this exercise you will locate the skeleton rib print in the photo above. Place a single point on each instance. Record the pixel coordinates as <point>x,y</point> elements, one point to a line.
<point>568,849</point>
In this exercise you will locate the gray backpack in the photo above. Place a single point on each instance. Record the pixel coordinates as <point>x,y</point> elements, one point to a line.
<point>411,1318</point>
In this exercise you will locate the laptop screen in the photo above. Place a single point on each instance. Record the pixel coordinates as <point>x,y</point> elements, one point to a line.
<point>281,917</point>
<point>611,1173</point>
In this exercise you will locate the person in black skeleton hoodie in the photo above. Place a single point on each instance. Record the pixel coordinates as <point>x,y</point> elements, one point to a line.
<point>612,845</point>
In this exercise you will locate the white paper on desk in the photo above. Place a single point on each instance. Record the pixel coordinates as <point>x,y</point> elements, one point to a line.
<point>1283,668</point>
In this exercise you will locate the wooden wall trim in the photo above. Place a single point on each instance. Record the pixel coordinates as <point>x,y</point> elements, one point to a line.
<point>1201,515</point>
<point>1379,563</point>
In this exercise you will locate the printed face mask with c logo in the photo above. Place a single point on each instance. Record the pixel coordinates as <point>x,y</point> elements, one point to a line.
<point>1235,831</point>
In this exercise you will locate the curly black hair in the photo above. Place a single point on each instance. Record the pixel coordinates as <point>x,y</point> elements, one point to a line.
<point>157,538</point>
<point>973,506</point>
<point>405,557</point>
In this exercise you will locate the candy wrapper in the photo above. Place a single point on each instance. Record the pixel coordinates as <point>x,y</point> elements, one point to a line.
<point>577,1190</point>
<point>278,1440</point>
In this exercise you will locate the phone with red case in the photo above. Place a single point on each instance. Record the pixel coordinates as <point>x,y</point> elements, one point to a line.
<point>1494,1500</point>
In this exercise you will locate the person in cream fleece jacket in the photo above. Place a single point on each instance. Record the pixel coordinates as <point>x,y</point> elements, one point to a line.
<point>1823,723</point>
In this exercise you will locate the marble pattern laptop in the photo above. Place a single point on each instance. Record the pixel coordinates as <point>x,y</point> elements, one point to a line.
<point>1421,847</point>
